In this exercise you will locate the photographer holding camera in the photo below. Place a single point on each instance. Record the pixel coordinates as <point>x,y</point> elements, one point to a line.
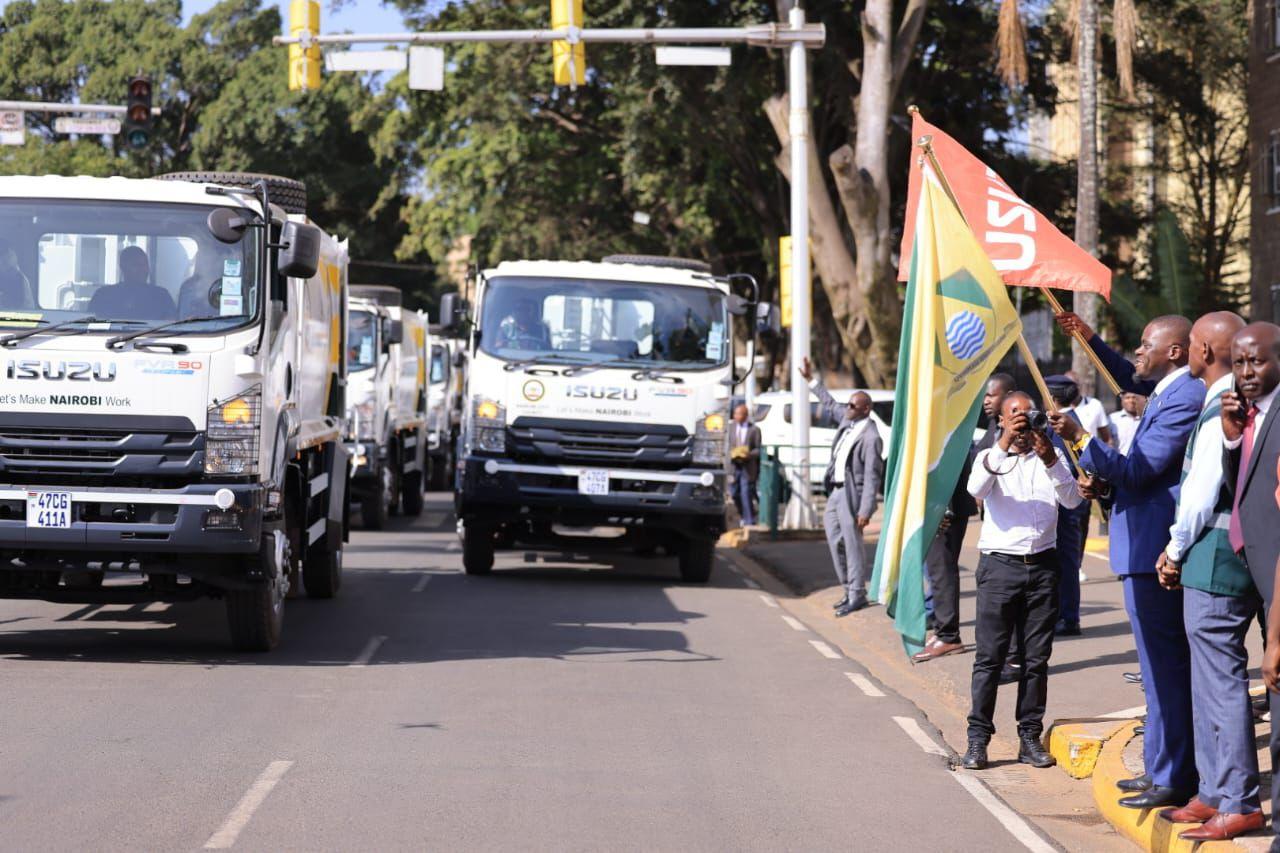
<point>1022,481</point>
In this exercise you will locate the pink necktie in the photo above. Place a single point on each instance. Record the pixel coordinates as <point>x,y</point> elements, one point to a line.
<point>1235,532</point>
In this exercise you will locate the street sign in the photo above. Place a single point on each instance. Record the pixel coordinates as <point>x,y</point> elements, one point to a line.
<point>13,127</point>
<point>366,60</point>
<point>87,126</point>
<point>426,68</point>
<point>668,55</point>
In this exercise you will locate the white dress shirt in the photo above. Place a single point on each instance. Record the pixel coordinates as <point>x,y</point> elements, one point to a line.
<point>1124,425</point>
<point>1092,415</point>
<point>1264,405</point>
<point>1021,500</point>
<point>1199,495</point>
<point>1165,383</point>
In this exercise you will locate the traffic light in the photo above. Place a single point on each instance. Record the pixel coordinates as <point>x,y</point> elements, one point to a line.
<point>137,111</point>
<point>304,62</point>
<point>568,60</point>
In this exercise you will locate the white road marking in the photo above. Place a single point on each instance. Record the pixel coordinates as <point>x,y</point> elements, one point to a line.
<point>1103,557</point>
<point>370,649</point>
<point>825,650</point>
<point>768,599</point>
<point>864,684</point>
<point>1008,818</point>
<point>453,546</point>
<point>913,730</point>
<point>796,624</point>
<point>749,582</point>
<point>1126,714</point>
<point>422,584</point>
<point>240,816</point>
<point>156,607</point>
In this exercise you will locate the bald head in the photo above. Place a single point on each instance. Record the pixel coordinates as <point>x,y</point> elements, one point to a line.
<point>859,405</point>
<point>1166,342</point>
<point>1209,355</point>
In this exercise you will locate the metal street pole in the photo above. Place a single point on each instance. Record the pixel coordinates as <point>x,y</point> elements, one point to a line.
<point>46,107</point>
<point>799,512</point>
<point>758,35</point>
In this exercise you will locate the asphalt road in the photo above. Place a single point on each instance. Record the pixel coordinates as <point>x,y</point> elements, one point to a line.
<point>570,701</point>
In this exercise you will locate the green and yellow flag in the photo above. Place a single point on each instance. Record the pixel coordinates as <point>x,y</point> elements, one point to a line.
<point>958,323</point>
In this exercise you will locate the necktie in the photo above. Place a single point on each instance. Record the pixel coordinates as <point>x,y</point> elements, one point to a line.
<point>1235,531</point>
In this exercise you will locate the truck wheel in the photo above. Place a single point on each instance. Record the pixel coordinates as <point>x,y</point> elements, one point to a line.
<point>289,194</point>
<point>374,506</point>
<point>322,570</point>
<point>696,558</point>
<point>256,615</point>
<point>477,549</point>
<point>411,494</point>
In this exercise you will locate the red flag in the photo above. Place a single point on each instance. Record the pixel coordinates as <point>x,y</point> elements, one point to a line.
<point>1023,245</point>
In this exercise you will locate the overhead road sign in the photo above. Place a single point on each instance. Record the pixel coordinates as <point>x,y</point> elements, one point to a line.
<point>426,68</point>
<point>669,55</point>
<point>87,126</point>
<point>13,127</point>
<point>366,60</point>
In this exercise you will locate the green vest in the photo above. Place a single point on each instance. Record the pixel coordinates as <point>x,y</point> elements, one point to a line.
<point>1212,565</point>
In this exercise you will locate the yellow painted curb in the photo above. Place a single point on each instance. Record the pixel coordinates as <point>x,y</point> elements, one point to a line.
<point>1077,744</point>
<point>1143,827</point>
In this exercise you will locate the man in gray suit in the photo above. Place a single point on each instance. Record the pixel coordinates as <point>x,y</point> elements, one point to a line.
<point>852,482</point>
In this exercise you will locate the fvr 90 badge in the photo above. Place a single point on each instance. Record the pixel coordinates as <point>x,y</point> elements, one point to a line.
<point>76,371</point>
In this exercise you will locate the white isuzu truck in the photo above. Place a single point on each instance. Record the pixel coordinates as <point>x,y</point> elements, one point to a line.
<point>173,395</point>
<point>387,354</point>
<point>597,396</point>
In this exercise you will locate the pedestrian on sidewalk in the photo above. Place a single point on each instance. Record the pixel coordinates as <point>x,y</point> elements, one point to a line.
<point>1144,488</point>
<point>1124,420</point>
<point>744,453</point>
<point>1219,604</point>
<point>1073,524</point>
<point>852,482</point>
<point>1021,481</point>
<point>1252,440</point>
<point>1090,411</point>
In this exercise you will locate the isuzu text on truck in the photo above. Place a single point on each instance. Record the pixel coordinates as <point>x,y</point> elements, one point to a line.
<point>387,352</point>
<point>597,396</point>
<point>173,394</point>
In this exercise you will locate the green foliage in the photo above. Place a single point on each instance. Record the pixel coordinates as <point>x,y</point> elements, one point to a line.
<point>1174,273</point>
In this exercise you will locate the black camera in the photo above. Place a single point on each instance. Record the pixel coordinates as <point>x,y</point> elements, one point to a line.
<point>1037,420</point>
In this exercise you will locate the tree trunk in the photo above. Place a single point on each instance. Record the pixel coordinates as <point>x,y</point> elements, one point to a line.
<point>1086,304</point>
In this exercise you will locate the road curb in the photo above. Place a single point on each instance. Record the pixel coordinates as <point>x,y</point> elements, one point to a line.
<point>1077,744</point>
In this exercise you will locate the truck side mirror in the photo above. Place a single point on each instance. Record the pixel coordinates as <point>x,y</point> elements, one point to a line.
<point>299,254</point>
<point>453,311</point>
<point>392,331</point>
<point>738,306</point>
<point>768,319</point>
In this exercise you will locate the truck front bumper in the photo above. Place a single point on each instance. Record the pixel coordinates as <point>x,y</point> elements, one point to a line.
<point>494,489</point>
<point>185,520</point>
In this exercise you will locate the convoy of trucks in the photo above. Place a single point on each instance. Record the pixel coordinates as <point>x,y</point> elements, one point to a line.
<point>195,398</point>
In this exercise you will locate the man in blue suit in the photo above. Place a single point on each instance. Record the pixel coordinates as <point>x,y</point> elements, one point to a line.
<point>1144,488</point>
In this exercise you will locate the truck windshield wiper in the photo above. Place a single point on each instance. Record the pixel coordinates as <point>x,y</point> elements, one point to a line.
<point>523,363</point>
<point>112,343</point>
<point>45,328</point>
<point>653,374</point>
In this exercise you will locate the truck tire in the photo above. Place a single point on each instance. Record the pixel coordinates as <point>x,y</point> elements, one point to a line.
<point>322,570</point>
<point>376,504</point>
<point>477,549</point>
<point>289,194</point>
<point>256,615</point>
<point>661,261</point>
<point>696,557</point>
<point>411,501</point>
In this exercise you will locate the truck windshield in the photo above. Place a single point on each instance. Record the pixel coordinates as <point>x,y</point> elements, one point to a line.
<point>651,325</point>
<point>361,341</point>
<point>437,365</point>
<point>125,263</point>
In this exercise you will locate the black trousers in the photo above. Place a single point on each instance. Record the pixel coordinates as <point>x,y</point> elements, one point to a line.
<point>1013,599</point>
<point>943,563</point>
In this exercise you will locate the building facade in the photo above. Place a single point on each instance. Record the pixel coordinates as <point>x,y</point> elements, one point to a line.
<point>1264,155</point>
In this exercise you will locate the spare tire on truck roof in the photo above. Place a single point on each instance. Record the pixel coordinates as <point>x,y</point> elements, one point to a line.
<point>288,194</point>
<point>661,261</point>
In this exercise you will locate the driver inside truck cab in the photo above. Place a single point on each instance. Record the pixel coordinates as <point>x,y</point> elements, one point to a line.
<point>523,328</point>
<point>133,298</point>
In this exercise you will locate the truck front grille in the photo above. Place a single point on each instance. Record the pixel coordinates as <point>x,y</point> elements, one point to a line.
<point>560,442</point>
<point>43,449</point>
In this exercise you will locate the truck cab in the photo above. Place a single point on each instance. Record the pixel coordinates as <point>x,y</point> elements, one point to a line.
<point>597,395</point>
<point>172,406</point>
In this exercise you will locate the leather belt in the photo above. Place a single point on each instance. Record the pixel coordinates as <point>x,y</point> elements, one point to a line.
<point>1026,559</point>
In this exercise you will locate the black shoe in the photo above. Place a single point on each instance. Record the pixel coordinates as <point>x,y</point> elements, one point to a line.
<point>1031,751</point>
<point>1067,629</point>
<point>1157,797</point>
<point>1011,673</point>
<point>841,603</point>
<point>1140,730</point>
<point>975,758</point>
<point>1133,677</point>
<point>851,607</point>
<point>1135,785</point>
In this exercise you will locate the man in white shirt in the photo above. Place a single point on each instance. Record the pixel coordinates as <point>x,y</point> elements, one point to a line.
<point>1021,481</point>
<point>1092,414</point>
<point>1124,421</point>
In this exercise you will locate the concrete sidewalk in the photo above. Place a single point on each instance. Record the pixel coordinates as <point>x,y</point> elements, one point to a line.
<point>1086,675</point>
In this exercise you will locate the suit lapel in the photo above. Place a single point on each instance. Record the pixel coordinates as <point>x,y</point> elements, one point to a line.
<point>1259,441</point>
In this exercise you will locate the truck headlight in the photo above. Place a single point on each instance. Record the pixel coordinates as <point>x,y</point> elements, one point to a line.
<point>488,425</point>
<point>708,440</point>
<point>232,434</point>
<point>364,420</point>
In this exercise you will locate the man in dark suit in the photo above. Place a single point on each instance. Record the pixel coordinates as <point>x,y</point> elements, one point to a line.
<point>1144,486</point>
<point>852,481</point>
<point>744,453</point>
<point>1252,438</point>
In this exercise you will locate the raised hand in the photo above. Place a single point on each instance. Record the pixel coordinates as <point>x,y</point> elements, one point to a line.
<point>1071,324</point>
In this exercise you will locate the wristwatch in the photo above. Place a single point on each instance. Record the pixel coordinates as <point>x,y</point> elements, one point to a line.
<point>1080,443</point>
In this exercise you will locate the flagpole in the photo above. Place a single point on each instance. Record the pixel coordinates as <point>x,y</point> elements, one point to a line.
<point>926,143</point>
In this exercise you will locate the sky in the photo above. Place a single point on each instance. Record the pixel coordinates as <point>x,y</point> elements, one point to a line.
<point>357,16</point>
